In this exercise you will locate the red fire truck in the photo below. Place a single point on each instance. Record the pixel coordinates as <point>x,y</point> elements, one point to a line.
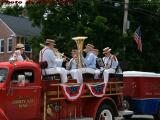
<point>27,95</point>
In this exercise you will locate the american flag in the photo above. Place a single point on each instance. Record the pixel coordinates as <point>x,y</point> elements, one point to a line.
<point>137,38</point>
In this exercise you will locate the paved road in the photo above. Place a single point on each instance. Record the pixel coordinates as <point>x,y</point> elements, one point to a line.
<point>141,117</point>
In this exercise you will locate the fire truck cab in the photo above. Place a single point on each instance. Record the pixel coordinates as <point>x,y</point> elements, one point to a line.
<point>24,95</point>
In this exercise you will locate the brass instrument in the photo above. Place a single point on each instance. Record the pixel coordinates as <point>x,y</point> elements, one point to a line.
<point>55,50</point>
<point>79,41</point>
<point>57,53</point>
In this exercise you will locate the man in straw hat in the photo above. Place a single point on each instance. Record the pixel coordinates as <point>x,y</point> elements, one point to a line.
<point>90,61</point>
<point>59,56</point>
<point>47,55</point>
<point>72,66</point>
<point>19,54</point>
<point>110,62</point>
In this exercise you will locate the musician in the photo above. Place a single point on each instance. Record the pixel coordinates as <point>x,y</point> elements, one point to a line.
<point>19,54</point>
<point>61,58</point>
<point>99,63</point>
<point>72,66</point>
<point>90,61</point>
<point>47,54</point>
<point>110,62</point>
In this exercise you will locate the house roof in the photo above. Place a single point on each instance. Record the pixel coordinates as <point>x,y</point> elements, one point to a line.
<point>20,26</point>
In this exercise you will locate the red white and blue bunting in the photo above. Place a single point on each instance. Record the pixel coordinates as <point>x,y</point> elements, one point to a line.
<point>97,90</point>
<point>72,92</point>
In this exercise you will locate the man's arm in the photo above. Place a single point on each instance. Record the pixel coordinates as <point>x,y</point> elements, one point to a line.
<point>50,56</point>
<point>114,62</point>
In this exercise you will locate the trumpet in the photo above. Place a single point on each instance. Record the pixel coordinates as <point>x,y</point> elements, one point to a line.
<point>57,53</point>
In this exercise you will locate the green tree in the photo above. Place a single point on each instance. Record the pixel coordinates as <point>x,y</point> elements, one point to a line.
<point>14,10</point>
<point>62,22</point>
<point>102,22</point>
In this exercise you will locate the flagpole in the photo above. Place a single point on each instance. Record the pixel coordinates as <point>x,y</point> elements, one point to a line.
<point>125,20</point>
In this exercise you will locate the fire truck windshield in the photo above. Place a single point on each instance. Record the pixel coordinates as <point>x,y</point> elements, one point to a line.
<point>3,73</point>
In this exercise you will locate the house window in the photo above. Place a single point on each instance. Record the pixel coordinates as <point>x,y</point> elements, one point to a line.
<point>9,45</point>
<point>27,47</point>
<point>25,41</point>
<point>1,45</point>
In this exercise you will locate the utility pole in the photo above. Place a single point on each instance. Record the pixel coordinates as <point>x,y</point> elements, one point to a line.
<point>125,24</point>
<point>125,19</point>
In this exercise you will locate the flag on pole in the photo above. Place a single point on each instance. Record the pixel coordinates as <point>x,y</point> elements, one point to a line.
<point>137,38</point>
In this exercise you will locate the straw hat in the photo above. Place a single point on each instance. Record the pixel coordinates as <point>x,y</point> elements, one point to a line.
<point>90,46</point>
<point>50,41</point>
<point>106,50</point>
<point>19,45</point>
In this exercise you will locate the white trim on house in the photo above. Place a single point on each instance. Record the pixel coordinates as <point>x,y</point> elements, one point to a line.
<point>13,33</point>
<point>1,39</point>
<point>9,38</point>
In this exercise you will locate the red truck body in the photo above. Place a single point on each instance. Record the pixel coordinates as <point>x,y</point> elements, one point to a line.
<point>38,99</point>
<point>142,92</point>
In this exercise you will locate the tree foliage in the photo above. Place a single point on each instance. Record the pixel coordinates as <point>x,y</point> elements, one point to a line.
<point>102,21</point>
<point>14,10</point>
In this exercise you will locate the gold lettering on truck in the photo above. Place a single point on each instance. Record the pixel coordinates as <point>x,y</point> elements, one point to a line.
<point>23,102</point>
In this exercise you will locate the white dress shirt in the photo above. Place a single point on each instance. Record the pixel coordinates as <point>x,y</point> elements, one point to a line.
<point>110,62</point>
<point>73,64</point>
<point>47,54</point>
<point>90,60</point>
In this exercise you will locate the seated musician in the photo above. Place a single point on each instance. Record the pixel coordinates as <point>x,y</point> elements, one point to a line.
<point>47,55</point>
<point>110,62</point>
<point>90,61</point>
<point>72,66</point>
